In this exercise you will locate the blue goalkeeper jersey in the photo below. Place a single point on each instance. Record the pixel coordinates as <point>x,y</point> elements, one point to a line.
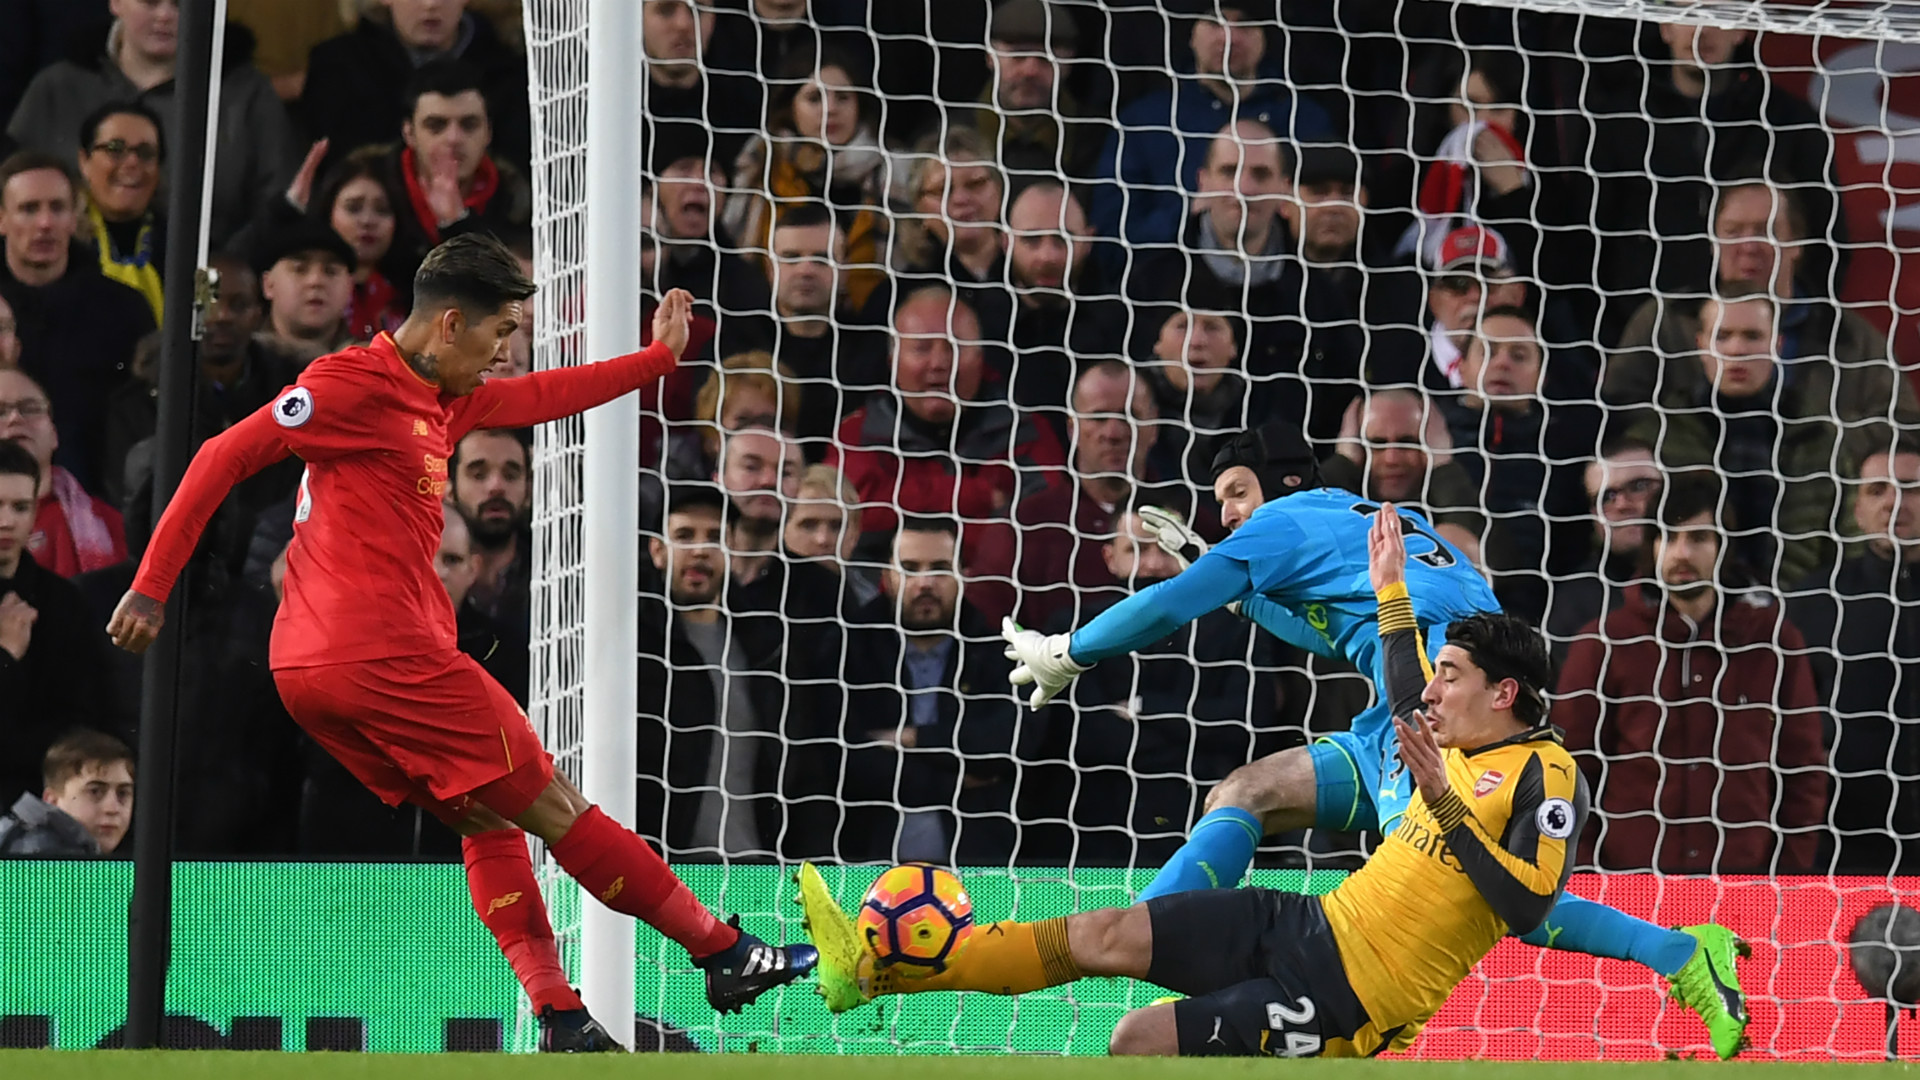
<point>1298,567</point>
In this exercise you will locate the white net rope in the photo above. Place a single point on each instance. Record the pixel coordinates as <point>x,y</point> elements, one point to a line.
<point>557,70</point>
<point>1550,272</point>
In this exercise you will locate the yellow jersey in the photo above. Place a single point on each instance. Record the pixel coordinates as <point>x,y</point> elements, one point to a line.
<point>1490,857</point>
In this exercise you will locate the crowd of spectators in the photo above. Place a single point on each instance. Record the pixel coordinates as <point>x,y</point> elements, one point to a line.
<point>976,283</point>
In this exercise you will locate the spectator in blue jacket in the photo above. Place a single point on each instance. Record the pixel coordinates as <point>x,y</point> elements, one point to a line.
<point>1153,161</point>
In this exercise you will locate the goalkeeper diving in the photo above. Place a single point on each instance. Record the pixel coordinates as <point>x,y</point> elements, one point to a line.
<point>1293,564</point>
<point>1355,972</point>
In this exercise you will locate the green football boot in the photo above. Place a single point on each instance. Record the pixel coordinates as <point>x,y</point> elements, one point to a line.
<point>832,932</point>
<point>1709,985</point>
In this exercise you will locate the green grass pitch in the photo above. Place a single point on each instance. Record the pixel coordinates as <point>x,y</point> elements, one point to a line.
<point>176,1065</point>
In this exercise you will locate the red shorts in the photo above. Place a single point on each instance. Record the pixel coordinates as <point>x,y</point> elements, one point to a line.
<point>432,730</point>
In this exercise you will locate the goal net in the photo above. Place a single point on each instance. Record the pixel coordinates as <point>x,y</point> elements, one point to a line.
<point>1613,292</point>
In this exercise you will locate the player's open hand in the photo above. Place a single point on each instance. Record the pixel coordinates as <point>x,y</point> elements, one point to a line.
<point>136,622</point>
<point>1386,549</point>
<point>1421,751</point>
<point>673,320</point>
<point>1043,661</point>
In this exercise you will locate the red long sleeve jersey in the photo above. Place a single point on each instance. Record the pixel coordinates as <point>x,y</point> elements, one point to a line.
<point>376,437</point>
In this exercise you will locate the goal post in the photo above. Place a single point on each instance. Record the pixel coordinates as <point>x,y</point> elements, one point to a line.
<point>610,490</point>
<point>587,78</point>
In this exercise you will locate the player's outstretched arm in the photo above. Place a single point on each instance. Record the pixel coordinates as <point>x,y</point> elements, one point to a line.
<point>1050,662</point>
<point>1403,654</point>
<point>561,392</point>
<point>223,461</point>
<point>1211,583</point>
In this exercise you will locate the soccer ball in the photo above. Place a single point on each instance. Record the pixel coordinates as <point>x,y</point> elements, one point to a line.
<point>916,919</point>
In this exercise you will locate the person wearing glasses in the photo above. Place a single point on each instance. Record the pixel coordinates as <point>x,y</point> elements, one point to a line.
<point>132,59</point>
<point>76,328</point>
<point>73,531</point>
<point>120,159</point>
<point>1624,485</point>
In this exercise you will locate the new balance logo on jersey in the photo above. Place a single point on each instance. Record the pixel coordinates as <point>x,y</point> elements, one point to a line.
<point>1488,783</point>
<point>420,428</point>
<point>613,890</point>
<point>499,902</point>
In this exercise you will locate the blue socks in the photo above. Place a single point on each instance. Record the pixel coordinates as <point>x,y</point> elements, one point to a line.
<point>1215,856</point>
<point>1578,925</point>
<point>1218,852</point>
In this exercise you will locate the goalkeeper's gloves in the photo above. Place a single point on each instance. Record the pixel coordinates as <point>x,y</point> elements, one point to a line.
<point>1176,539</point>
<point>1040,659</point>
<point>1172,535</point>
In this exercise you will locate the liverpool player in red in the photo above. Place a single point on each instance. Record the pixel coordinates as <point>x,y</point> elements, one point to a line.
<point>363,647</point>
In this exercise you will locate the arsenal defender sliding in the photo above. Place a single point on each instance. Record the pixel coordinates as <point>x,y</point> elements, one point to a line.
<point>363,647</point>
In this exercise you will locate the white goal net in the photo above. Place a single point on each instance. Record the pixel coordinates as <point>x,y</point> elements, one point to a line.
<point>1614,293</point>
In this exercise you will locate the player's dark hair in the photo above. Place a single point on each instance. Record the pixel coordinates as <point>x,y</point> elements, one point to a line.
<point>90,127</point>
<point>1505,647</point>
<point>474,272</point>
<point>448,78</point>
<point>27,161</point>
<point>75,751</point>
<point>683,498</point>
<point>16,460</point>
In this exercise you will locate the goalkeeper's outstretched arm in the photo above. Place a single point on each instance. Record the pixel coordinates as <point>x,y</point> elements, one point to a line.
<point>1212,582</point>
<point>1050,662</point>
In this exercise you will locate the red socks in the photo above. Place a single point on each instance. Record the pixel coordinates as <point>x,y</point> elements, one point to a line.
<point>630,877</point>
<point>507,899</point>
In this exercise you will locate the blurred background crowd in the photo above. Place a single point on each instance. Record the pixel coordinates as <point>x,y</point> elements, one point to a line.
<point>977,281</point>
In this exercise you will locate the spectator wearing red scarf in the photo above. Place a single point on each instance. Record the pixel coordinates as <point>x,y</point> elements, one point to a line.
<point>447,181</point>
<point>73,531</point>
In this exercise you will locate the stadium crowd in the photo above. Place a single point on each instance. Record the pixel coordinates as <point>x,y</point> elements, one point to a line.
<point>977,283</point>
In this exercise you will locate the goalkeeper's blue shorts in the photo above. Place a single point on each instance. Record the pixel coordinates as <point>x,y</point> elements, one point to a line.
<point>1360,783</point>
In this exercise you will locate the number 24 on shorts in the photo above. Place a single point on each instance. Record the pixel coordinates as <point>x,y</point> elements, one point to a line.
<point>1283,1019</point>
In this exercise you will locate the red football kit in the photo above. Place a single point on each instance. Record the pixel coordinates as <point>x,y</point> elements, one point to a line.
<point>363,648</point>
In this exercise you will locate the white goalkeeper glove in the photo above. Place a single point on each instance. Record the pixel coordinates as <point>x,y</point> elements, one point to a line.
<point>1040,659</point>
<point>1172,535</point>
